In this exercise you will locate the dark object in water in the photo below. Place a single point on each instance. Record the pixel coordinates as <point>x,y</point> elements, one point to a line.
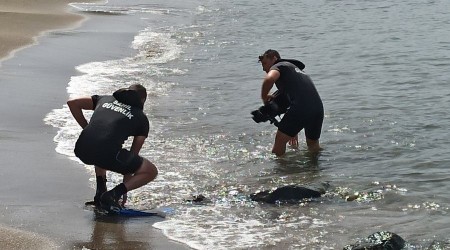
<point>197,198</point>
<point>285,194</point>
<point>379,241</point>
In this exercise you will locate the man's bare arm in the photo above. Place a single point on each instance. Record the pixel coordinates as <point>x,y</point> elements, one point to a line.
<point>268,83</point>
<point>136,146</point>
<point>76,107</point>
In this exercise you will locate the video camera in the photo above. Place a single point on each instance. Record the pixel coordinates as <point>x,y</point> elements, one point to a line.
<point>277,106</point>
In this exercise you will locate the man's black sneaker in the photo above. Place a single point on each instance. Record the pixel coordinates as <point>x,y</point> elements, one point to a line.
<point>97,200</point>
<point>108,203</point>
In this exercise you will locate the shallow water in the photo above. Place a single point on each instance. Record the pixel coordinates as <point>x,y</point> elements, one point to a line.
<point>381,70</point>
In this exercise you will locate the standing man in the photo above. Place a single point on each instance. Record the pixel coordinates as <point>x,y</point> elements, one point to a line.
<point>115,118</point>
<point>306,108</point>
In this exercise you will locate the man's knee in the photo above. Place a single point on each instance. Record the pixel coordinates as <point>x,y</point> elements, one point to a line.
<point>149,168</point>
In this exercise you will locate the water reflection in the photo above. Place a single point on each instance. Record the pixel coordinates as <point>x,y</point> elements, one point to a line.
<point>298,162</point>
<point>110,232</point>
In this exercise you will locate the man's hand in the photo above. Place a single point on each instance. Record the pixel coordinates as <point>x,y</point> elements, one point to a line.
<point>270,97</point>
<point>124,200</point>
<point>294,142</point>
<point>126,177</point>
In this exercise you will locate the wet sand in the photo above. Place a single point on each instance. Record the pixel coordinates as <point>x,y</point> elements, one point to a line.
<point>43,192</point>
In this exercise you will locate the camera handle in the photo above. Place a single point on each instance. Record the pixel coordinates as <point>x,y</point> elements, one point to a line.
<point>274,121</point>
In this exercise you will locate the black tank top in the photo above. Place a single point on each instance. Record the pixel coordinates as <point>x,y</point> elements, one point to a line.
<point>111,124</point>
<point>298,86</point>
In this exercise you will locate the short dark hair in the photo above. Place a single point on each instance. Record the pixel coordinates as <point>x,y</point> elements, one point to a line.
<point>271,53</point>
<point>141,90</point>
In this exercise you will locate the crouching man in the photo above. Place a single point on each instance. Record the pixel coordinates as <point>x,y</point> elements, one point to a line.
<point>116,117</point>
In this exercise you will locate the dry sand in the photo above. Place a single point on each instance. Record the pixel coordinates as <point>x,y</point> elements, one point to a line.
<point>15,239</point>
<point>21,21</point>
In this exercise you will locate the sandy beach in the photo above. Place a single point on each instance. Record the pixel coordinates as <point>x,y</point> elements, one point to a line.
<point>43,192</point>
<point>21,22</point>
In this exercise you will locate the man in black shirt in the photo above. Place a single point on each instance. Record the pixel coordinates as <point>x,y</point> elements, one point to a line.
<point>306,108</point>
<point>115,118</point>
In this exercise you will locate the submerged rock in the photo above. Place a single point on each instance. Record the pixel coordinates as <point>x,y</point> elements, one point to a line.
<point>379,241</point>
<point>291,193</point>
<point>285,194</point>
<point>198,198</point>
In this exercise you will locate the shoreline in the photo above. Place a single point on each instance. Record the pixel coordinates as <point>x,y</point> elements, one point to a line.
<point>23,22</point>
<point>43,191</point>
<point>18,32</point>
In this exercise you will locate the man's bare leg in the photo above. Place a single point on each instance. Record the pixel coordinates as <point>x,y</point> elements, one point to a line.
<point>100,171</point>
<point>145,174</point>
<point>313,145</point>
<point>279,147</point>
<point>100,176</point>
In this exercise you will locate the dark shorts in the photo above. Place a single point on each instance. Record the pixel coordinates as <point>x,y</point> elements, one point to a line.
<point>122,161</point>
<point>294,121</point>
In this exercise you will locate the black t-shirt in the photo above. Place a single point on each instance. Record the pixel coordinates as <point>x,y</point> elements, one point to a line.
<point>298,86</point>
<point>111,124</point>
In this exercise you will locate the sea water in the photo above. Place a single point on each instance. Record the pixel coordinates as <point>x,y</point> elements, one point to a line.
<point>381,68</point>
